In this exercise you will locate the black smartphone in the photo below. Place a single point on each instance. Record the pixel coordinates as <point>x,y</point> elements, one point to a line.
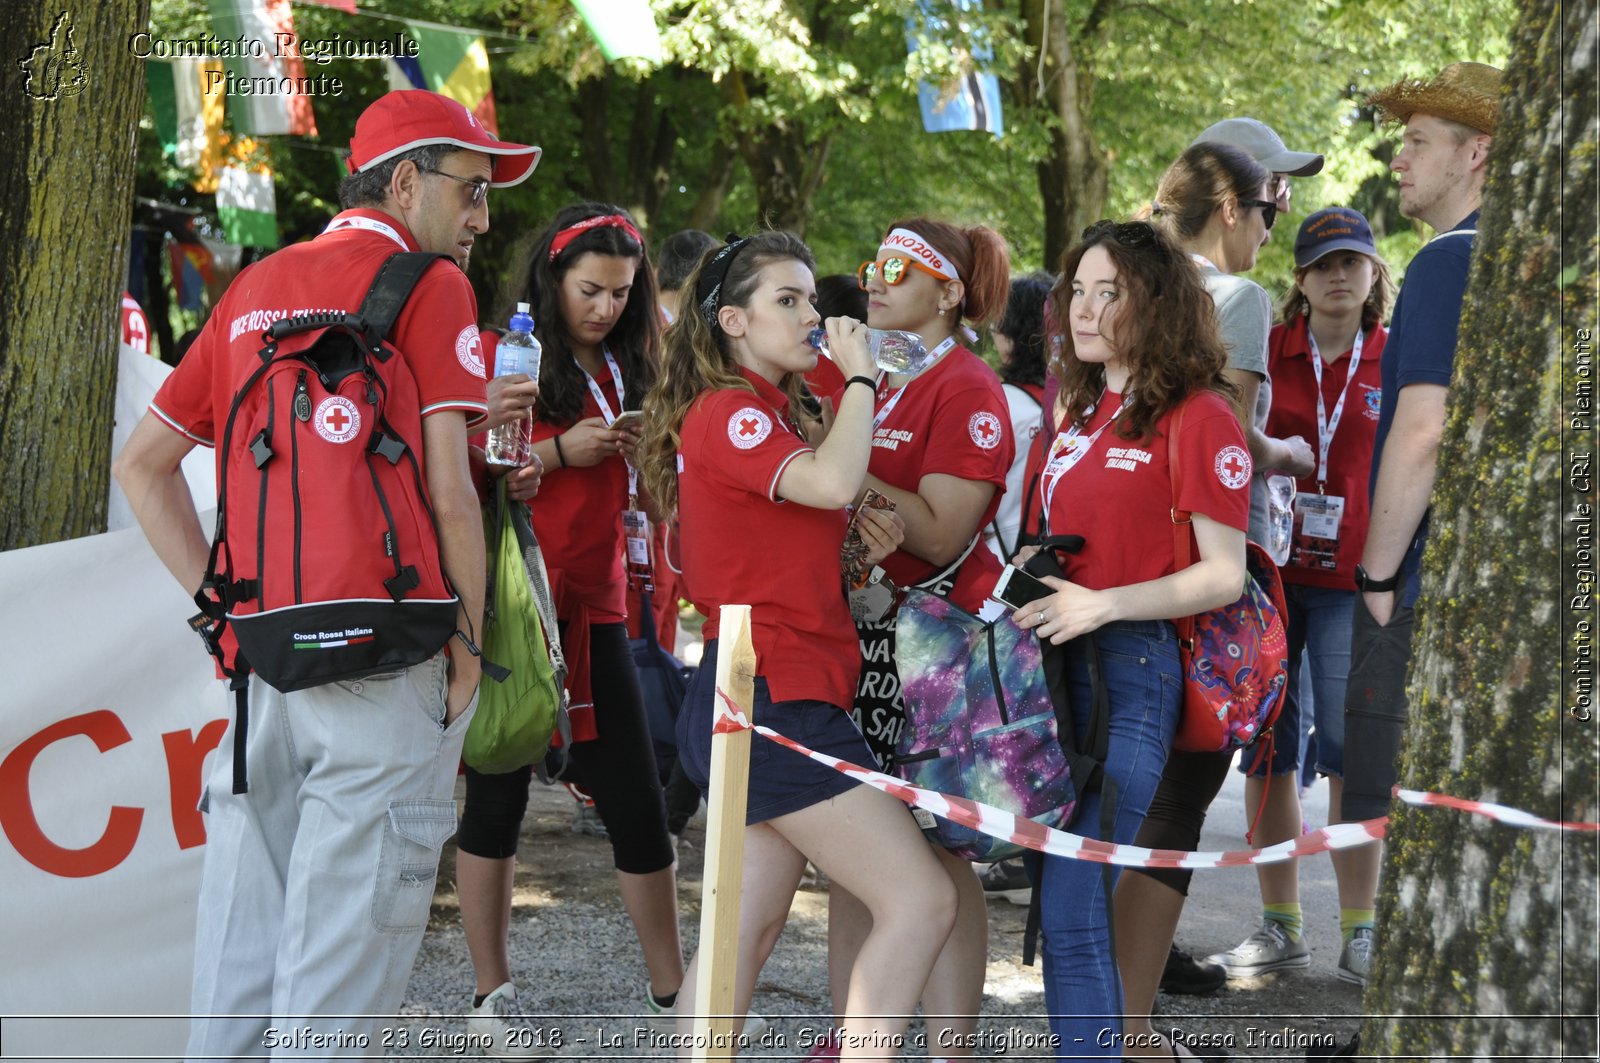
<point>1017,588</point>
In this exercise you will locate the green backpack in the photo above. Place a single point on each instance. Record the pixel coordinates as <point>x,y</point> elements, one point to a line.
<point>517,715</point>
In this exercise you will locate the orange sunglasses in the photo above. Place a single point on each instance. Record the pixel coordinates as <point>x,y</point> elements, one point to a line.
<point>893,269</point>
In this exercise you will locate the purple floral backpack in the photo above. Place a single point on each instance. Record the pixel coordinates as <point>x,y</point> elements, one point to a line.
<point>980,722</point>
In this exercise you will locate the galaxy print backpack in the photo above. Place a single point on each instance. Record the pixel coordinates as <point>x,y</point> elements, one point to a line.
<point>981,722</point>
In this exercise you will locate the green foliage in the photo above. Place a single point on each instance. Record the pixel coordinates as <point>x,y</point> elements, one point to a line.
<point>834,76</point>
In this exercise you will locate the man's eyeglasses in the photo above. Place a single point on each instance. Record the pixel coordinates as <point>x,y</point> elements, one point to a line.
<point>1269,209</point>
<point>893,270</point>
<point>480,185</point>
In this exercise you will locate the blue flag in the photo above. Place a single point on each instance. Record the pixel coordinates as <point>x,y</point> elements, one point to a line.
<point>972,99</point>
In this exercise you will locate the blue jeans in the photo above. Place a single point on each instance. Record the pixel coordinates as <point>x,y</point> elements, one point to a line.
<point>1083,991</point>
<point>1319,623</point>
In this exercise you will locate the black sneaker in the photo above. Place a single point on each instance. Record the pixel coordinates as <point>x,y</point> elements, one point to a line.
<point>1188,976</point>
<point>1007,879</point>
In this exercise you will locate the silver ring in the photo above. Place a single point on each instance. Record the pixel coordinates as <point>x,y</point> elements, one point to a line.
<point>1041,618</point>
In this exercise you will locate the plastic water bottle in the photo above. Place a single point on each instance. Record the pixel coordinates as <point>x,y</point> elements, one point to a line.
<point>892,351</point>
<point>517,352</point>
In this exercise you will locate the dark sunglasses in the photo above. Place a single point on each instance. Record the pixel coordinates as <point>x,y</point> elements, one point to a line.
<point>480,186</point>
<point>1269,209</point>
<point>1126,233</point>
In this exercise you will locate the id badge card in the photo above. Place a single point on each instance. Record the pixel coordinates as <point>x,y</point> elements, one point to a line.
<point>873,599</point>
<point>636,537</point>
<point>1316,531</point>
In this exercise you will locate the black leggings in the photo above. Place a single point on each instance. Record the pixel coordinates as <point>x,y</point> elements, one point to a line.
<point>617,769</point>
<point>1189,783</point>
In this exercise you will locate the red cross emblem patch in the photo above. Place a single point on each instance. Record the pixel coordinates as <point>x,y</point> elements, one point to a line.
<point>337,420</point>
<point>469,351</point>
<point>1233,467</point>
<point>748,428</point>
<point>984,427</point>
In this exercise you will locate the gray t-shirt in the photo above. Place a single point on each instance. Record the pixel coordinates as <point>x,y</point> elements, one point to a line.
<point>1244,314</point>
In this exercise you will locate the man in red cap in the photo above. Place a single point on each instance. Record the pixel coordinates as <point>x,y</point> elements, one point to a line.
<point>318,880</point>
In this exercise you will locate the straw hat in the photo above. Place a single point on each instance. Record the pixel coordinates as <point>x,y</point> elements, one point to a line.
<point>1468,93</point>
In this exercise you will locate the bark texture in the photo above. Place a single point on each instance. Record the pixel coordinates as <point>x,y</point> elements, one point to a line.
<point>1073,176</point>
<point>1487,934</point>
<point>66,204</point>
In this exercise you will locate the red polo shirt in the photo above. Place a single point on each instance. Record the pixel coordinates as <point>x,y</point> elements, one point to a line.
<point>577,516</point>
<point>742,546</point>
<point>1118,496</point>
<point>1294,413</point>
<point>952,419</point>
<point>437,332</point>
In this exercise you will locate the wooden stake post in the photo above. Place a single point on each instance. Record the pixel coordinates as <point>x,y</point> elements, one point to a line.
<point>724,867</point>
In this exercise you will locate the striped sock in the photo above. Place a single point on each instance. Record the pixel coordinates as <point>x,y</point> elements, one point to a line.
<point>1353,919</point>
<point>1289,915</point>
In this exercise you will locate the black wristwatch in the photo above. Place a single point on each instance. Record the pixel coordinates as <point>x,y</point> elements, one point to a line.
<point>1366,583</point>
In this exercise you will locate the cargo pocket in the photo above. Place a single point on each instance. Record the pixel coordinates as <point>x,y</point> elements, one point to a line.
<point>409,863</point>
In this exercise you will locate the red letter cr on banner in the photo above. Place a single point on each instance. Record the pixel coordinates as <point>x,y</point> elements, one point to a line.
<point>16,806</point>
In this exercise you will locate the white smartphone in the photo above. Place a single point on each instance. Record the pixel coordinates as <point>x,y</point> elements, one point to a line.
<point>627,419</point>
<point>1017,588</point>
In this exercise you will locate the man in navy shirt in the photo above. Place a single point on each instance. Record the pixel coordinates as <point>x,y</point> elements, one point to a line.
<point>1449,122</point>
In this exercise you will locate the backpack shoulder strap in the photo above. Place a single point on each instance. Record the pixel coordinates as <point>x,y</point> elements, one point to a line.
<point>1182,521</point>
<point>395,280</point>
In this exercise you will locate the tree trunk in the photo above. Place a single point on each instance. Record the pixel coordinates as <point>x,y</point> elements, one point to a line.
<point>66,206</point>
<point>1073,176</point>
<point>1478,920</point>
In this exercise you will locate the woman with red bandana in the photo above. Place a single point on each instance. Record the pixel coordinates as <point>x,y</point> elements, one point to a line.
<point>593,295</point>
<point>941,448</point>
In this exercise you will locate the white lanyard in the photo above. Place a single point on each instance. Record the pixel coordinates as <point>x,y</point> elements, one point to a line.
<point>599,396</point>
<point>1326,426</point>
<point>605,411</point>
<point>1201,260</point>
<point>358,222</point>
<point>883,414</point>
<point>1070,446</point>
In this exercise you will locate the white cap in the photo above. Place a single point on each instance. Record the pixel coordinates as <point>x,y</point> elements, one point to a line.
<point>523,308</point>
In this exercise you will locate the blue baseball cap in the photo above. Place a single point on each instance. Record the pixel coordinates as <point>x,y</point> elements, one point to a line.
<point>1332,229</point>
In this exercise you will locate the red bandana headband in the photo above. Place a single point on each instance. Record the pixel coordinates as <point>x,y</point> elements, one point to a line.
<point>599,221</point>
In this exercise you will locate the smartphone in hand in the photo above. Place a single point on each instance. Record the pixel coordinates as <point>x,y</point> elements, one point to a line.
<point>1017,588</point>
<point>627,420</point>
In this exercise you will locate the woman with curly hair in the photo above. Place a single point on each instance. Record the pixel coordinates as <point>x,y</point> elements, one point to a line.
<point>1146,357</point>
<point>762,519</point>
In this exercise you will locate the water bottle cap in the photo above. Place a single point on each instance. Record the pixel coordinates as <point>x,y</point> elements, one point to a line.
<point>523,308</point>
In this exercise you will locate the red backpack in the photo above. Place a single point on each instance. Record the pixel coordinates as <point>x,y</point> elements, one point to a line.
<point>325,564</point>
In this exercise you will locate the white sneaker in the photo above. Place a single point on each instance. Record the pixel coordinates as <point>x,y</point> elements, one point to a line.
<point>500,1027</point>
<point>1268,949</point>
<point>1355,961</point>
<point>665,1019</point>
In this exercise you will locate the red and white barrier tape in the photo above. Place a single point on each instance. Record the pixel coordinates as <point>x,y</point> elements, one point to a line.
<point>998,823</point>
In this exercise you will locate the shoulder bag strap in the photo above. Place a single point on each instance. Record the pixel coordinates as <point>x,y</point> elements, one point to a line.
<point>1182,522</point>
<point>391,287</point>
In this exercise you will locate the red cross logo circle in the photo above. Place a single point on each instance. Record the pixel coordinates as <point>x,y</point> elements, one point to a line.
<point>748,427</point>
<point>337,420</point>
<point>984,427</point>
<point>1233,467</point>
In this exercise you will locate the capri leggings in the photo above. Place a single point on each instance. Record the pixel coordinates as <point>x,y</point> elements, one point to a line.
<point>1189,783</point>
<point>618,769</point>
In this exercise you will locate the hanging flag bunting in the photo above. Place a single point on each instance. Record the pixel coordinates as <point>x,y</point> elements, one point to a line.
<point>176,95</point>
<point>208,144</point>
<point>971,100</point>
<point>246,203</point>
<point>347,6</point>
<point>451,62</point>
<point>191,272</point>
<point>284,108</point>
<point>624,28</point>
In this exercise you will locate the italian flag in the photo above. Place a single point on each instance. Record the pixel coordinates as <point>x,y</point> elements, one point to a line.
<point>246,203</point>
<point>188,118</point>
<point>277,112</point>
<point>624,28</point>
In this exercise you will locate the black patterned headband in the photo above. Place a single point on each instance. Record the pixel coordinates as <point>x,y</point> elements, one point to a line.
<point>709,288</point>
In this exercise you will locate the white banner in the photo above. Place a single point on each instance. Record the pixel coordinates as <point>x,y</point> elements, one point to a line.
<point>107,712</point>
<point>138,377</point>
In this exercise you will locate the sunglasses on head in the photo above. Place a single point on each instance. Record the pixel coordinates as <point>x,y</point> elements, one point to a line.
<point>893,270</point>
<point>479,185</point>
<point>1269,209</point>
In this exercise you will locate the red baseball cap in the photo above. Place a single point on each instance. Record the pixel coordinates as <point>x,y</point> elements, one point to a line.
<point>409,118</point>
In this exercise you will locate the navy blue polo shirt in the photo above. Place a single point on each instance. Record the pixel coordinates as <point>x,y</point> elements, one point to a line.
<point>1422,350</point>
